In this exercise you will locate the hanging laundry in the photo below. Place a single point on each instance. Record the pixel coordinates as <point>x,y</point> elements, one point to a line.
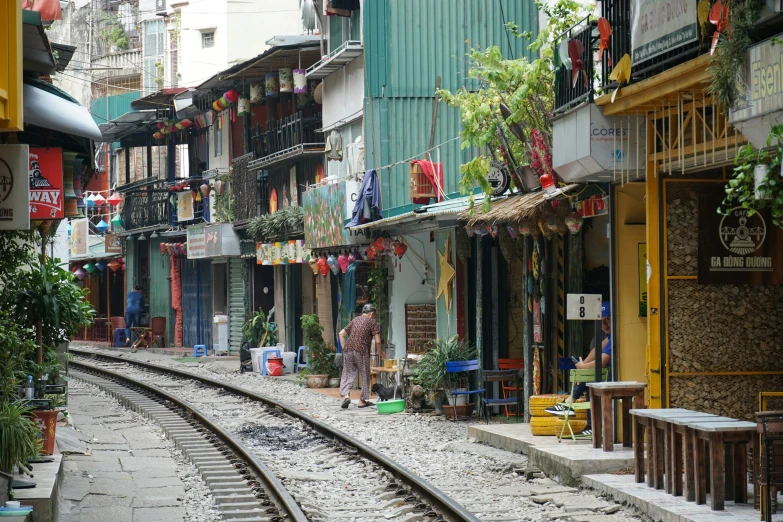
<point>334,146</point>
<point>368,205</point>
<point>333,11</point>
<point>434,173</point>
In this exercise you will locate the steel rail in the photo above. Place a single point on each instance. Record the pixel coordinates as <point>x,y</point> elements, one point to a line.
<point>268,479</point>
<point>448,506</point>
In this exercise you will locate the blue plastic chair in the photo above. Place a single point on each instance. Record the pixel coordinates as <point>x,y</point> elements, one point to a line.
<point>266,353</point>
<point>463,367</point>
<point>302,351</point>
<point>200,350</point>
<point>119,332</point>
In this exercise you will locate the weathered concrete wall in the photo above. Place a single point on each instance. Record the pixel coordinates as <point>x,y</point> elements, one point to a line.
<point>74,29</point>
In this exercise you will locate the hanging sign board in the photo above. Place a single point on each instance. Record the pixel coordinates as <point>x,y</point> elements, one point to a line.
<point>46,183</point>
<point>184,206</point>
<point>79,231</point>
<point>197,246</point>
<point>282,253</point>
<point>14,194</point>
<point>112,244</point>
<point>213,242</point>
<point>659,26</point>
<point>583,307</point>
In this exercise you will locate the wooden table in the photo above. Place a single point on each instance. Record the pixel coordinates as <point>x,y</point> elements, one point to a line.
<point>142,332</point>
<point>718,434</point>
<point>602,394</point>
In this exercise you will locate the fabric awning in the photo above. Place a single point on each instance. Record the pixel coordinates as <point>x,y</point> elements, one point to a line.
<point>49,111</point>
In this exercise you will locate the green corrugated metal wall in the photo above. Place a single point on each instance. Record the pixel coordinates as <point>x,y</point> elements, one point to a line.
<point>407,45</point>
<point>109,108</point>
<point>236,303</point>
<point>160,288</point>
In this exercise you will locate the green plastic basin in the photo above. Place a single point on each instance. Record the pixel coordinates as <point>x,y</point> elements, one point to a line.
<point>391,406</point>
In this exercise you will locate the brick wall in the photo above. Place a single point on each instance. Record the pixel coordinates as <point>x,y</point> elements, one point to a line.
<point>420,327</point>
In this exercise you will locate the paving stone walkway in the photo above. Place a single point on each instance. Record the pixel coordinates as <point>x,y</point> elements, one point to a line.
<point>127,475</point>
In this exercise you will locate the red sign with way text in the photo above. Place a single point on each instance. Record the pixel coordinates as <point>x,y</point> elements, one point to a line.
<point>46,183</point>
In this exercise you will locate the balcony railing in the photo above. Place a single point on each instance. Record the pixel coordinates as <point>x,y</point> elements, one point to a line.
<point>618,14</point>
<point>118,64</point>
<point>287,137</point>
<point>146,207</point>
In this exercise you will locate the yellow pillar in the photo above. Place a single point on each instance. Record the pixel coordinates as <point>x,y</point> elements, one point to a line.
<point>653,366</point>
<point>11,117</point>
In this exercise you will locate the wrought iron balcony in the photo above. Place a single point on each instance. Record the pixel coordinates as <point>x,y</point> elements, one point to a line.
<point>286,138</point>
<point>146,206</point>
<point>572,85</point>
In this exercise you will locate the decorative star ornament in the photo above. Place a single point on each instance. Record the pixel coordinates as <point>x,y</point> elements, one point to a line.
<point>447,273</point>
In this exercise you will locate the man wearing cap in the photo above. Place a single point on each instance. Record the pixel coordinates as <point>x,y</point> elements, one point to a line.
<point>589,362</point>
<point>356,353</point>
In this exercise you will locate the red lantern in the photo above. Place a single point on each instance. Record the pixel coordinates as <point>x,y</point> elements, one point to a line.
<point>378,245</point>
<point>232,96</point>
<point>323,266</point>
<point>547,183</point>
<point>162,249</point>
<point>400,248</point>
<point>115,265</point>
<point>371,252</point>
<point>114,200</point>
<point>186,123</point>
<point>158,136</point>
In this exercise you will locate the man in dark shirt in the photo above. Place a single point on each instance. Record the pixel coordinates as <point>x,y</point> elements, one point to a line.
<point>356,354</point>
<point>133,308</point>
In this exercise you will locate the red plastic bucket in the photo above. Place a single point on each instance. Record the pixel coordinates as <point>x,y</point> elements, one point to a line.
<point>274,366</point>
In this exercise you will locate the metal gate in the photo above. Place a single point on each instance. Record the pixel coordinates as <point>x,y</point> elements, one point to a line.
<point>196,302</point>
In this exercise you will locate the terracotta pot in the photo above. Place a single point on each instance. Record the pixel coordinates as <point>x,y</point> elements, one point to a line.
<point>48,419</point>
<point>465,410</point>
<point>334,382</point>
<point>317,381</point>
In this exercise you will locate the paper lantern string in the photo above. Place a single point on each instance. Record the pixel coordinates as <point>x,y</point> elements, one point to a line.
<point>575,51</point>
<point>621,73</point>
<point>719,17</point>
<point>605,33</point>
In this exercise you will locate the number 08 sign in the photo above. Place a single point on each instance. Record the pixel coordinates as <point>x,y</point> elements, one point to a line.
<point>583,307</point>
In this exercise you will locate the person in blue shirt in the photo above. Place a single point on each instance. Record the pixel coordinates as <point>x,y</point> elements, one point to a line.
<point>589,362</point>
<point>133,307</point>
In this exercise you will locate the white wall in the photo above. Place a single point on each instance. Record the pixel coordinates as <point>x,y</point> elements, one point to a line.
<point>222,161</point>
<point>343,92</point>
<point>406,288</point>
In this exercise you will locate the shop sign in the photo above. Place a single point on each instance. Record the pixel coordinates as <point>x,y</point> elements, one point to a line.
<point>112,244</point>
<point>592,206</point>
<point>46,183</point>
<point>659,26</point>
<point>14,194</point>
<point>197,246</point>
<point>498,178</point>
<point>184,206</point>
<point>282,253</point>
<point>737,248</point>
<point>213,241</point>
<point>642,261</point>
<point>79,231</point>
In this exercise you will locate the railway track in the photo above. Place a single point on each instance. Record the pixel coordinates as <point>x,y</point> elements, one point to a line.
<point>329,474</point>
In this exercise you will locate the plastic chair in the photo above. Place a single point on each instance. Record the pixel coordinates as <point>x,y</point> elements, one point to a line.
<point>303,350</point>
<point>509,364</point>
<point>158,331</point>
<point>578,376</point>
<point>118,330</point>
<point>200,350</point>
<point>265,355</point>
<point>462,367</point>
<point>503,376</point>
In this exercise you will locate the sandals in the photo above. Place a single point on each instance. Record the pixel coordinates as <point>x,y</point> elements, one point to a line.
<point>366,404</point>
<point>346,403</point>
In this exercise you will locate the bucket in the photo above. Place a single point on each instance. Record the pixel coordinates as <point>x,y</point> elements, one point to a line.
<point>274,366</point>
<point>47,420</point>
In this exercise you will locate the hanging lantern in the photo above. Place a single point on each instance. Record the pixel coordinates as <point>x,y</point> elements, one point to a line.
<point>114,265</point>
<point>302,100</point>
<point>205,189</point>
<point>216,106</point>
<point>99,200</point>
<point>511,231</point>
<point>323,266</point>
<point>378,245</point>
<point>163,250</point>
<point>243,107</point>
<point>220,187</point>
<point>231,95</point>
<point>493,230</point>
<point>574,222</point>
<point>102,226</point>
<point>300,81</point>
<point>371,253</point>
<point>387,244</point>
<point>90,268</point>
<point>272,85</point>
<point>318,94</point>
<point>183,248</point>
<point>186,123</point>
<point>470,231</point>
<point>332,261</point>
<point>80,273</point>
<point>101,265</point>
<point>179,125</point>
<point>114,200</point>
<point>351,259</point>
<point>286,77</point>
<point>164,131</point>
<point>90,200</point>
<point>116,220</point>
<point>68,159</point>
<point>342,262</point>
<point>313,265</point>
<point>256,92</point>
<point>400,248</point>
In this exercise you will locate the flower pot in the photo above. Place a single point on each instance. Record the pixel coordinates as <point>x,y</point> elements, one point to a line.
<point>759,175</point>
<point>317,381</point>
<point>334,382</point>
<point>460,400</point>
<point>465,410</point>
<point>47,421</point>
<point>438,399</point>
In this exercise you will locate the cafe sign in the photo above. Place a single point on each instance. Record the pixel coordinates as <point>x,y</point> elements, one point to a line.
<point>112,244</point>
<point>197,246</point>
<point>46,183</point>
<point>14,192</point>
<point>759,92</point>
<point>659,26</point>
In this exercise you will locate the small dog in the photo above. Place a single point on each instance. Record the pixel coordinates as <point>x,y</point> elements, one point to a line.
<point>386,393</point>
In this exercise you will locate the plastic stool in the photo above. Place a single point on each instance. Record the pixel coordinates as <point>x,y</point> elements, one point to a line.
<point>266,353</point>
<point>117,333</point>
<point>303,350</point>
<point>200,350</point>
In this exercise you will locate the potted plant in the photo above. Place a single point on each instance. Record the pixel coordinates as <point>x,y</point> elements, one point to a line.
<point>321,357</point>
<point>259,330</point>
<point>431,373</point>
<point>20,439</point>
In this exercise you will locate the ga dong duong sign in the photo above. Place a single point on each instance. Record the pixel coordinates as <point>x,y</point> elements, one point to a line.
<point>659,26</point>
<point>759,91</point>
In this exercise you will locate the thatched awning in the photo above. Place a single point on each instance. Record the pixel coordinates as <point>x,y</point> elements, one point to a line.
<point>512,209</point>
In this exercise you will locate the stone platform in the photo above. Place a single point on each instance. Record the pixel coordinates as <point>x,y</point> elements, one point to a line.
<point>43,497</point>
<point>567,461</point>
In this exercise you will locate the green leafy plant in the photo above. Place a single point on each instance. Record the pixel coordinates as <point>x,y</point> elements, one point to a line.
<point>260,329</point>
<point>284,223</point>
<point>431,370</point>
<point>19,436</point>
<point>16,349</point>
<point>224,209</point>
<point>321,356</point>
<point>741,188</point>
<point>111,31</point>
<point>377,281</point>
